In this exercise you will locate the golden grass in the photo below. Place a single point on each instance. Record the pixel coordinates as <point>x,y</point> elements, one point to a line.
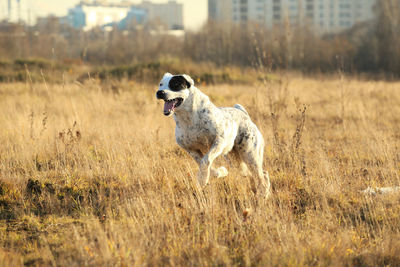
<point>93,176</point>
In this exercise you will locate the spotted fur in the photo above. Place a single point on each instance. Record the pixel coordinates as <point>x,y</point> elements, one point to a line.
<point>206,131</point>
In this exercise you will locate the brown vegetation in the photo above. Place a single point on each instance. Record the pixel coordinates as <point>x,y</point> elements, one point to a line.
<point>90,174</point>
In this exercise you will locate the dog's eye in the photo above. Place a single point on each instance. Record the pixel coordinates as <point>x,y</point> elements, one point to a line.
<point>160,84</point>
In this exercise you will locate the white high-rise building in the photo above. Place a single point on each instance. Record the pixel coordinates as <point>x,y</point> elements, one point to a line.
<point>14,10</point>
<point>324,15</point>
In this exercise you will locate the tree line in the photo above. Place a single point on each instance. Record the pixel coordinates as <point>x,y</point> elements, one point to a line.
<point>371,47</point>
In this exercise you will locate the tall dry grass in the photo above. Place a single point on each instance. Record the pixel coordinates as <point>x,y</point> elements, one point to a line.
<point>91,175</point>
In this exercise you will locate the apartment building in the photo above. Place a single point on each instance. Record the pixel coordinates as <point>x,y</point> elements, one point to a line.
<point>324,15</point>
<point>170,13</point>
<point>14,10</point>
<point>90,14</point>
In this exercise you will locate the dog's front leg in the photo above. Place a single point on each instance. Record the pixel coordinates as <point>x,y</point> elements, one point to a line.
<point>206,162</point>
<point>197,156</point>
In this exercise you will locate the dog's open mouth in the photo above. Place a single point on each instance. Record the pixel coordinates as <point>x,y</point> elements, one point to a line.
<point>171,105</point>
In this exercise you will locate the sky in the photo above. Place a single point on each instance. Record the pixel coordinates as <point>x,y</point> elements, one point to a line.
<point>194,11</point>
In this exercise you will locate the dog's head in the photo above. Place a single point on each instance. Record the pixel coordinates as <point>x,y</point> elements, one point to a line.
<point>174,90</point>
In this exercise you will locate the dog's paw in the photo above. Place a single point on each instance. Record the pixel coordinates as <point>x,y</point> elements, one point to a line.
<point>222,172</point>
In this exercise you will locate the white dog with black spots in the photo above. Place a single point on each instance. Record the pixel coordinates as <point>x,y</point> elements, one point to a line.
<point>206,131</point>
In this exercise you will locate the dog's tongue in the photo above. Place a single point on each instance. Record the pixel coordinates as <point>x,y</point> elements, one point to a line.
<point>169,107</point>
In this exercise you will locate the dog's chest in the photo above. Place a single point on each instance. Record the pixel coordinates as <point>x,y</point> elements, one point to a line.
<point>196,133</point>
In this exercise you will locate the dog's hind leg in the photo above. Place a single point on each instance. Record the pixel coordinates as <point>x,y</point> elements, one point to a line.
<point>254,160</point>
<point>244,170</point>
<point>262,184</point>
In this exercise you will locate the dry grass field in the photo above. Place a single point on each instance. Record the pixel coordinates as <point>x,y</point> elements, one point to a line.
<point>90,175</point>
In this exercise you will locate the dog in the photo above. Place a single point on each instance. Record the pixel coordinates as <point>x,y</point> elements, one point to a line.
<point>206,131</point>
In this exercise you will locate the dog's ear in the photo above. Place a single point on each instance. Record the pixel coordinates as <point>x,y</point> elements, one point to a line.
<point>167,74</point>
<point>189,80</point>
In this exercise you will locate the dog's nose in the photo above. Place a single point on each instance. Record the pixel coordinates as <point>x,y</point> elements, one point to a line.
<point>160,94</point>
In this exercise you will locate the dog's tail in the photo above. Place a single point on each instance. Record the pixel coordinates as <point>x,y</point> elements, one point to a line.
<point>240,107</point>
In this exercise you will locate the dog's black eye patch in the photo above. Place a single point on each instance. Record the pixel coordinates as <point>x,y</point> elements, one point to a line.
<point>178,83</point>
